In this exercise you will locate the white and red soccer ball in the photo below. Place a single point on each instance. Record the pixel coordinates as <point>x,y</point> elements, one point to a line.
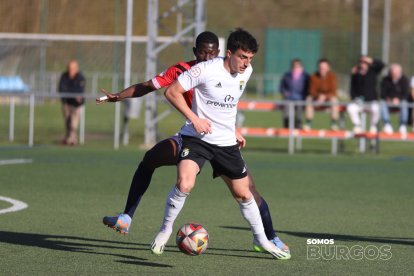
<point>192,239</point>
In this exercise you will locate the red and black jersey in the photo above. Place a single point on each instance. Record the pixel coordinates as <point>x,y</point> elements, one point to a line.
<point>170,75</point>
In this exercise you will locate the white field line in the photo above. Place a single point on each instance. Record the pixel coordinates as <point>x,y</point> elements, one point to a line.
<point>16,205</point>
<point>15,161</point>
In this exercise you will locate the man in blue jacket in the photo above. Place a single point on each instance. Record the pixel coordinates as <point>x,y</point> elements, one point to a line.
<point>294,87</point>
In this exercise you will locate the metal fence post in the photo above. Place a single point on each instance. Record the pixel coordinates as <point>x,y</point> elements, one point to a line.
<point>362,140</point>
<point>11,119</point>
<point>82,126</point>
<point>291,106</point>
<point>31,118</point>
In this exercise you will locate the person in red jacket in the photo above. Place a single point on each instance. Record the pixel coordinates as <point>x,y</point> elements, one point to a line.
<point>322,89</point>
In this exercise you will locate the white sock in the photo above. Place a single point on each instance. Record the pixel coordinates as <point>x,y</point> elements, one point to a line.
<point>173,206</point>
<point>250,212</point>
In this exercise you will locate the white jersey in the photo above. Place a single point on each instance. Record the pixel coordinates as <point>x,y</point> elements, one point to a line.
<point>216,94</point>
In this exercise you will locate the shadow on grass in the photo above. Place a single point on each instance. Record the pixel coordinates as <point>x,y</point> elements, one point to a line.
<point>338,237</point>
<point>89,246</point>
<point>76,244</point>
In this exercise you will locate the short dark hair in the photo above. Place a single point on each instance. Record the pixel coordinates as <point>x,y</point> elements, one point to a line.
<point>323,60</point>
<point>295,60</point>
<point>206,37</point>
<point>242,39</point>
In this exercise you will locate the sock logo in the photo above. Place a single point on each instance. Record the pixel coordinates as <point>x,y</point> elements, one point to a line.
<point>185,152</point>
<point>172,205</point>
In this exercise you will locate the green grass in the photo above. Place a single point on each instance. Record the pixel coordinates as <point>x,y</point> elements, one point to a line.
<point>356,199</point>
<point>353,199</point>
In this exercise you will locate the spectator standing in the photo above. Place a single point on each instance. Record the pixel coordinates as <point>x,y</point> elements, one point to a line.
<point>395,91</point>
<point>322,89</point>
<point>294,86</point>
<point>364,94</point>
<point>71,81</point>
<point>411,101</point>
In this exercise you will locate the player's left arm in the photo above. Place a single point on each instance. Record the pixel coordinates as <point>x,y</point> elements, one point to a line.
<point>175,95</point>
<point>240,139</point>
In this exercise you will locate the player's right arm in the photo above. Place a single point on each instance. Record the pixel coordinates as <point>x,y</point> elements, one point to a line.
<point>141,89</point>
<point>175,95</point>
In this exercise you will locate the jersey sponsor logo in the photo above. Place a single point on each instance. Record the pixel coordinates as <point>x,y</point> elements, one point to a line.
<point>185,152</point>
<point>228,98</point>
<point>222,105</point>
<point>195,71</point>
<point>227,104</point>
<point>218,85</point>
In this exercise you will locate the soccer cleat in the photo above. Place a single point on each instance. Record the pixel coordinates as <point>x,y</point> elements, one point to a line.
<point>334,127</point>
<point>306,127</point>
<point>119,223</point>
<point>159,242</point>
<point>276,241</point>
<point>272,249</point>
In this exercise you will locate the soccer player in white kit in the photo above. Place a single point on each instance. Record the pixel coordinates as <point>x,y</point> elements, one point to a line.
<point>209,134</point>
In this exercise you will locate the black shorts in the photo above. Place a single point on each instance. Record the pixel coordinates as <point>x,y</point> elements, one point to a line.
<point>225,161</point>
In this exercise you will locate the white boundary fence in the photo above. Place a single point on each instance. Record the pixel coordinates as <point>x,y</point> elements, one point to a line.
<point>293,135</point>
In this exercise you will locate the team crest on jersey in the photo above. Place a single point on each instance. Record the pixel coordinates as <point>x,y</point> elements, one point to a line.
<point>195,71</point>
<point>185,152</point>
<point>241,85</point>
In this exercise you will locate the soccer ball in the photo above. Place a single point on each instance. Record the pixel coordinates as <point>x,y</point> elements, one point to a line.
<point>192,239</point>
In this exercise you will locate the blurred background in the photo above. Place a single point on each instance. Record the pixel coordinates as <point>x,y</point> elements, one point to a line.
<point>285,29</point>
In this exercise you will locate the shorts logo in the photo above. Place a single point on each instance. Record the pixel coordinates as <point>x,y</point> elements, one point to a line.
<point>185,152</point>
<point>195,71</point>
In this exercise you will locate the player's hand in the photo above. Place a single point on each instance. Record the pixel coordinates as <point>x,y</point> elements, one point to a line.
<point>240,140</point>
<point>109,97</point>
<point>202,126</point>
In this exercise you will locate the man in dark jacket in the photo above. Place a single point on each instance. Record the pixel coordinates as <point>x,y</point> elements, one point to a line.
<point>364,92</point>
<point>294,87</point>
<point>395,92</point>
<point>71,81</point>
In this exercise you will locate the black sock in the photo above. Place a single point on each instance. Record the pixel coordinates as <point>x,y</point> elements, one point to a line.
<point>140,183</point>
<point>267,220</point>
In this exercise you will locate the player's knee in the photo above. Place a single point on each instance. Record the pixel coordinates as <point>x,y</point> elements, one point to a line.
<point>185,183</point>
<point>242,196</point>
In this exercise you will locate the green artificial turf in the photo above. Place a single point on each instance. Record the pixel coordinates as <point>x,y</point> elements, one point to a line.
<point>356,200</point>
